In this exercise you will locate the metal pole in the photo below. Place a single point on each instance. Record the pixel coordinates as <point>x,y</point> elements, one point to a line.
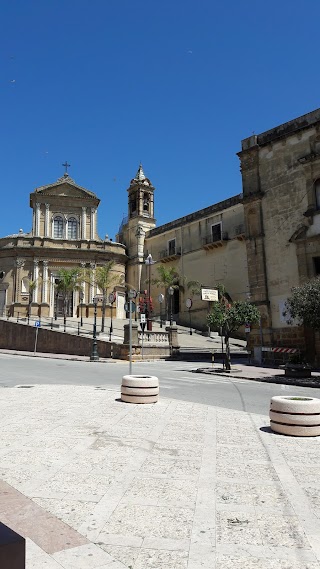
<point>190,332</point>
<point>130,336</point>
<point>160,315</point>
<point>35,342</point>
<point>222,349</point>
<point>142,344</point>
<point>94,353</point>
<point>81,320</point>
<point>18,317</point>
<point>78,328</point>
<point>51,323</point>
<point>111,328</point>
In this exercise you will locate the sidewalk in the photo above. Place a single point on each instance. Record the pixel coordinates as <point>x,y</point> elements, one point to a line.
<point>94,483</point>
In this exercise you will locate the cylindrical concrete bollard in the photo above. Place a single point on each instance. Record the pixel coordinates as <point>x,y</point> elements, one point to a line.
<point>140,389</point>
<point>297,416</point>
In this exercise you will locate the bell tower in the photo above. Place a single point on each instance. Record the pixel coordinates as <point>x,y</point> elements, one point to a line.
<point>139,221</point>
<point>140,197</point>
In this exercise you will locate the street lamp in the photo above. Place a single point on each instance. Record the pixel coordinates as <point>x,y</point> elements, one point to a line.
<point>111,300</point>
<point>81,296</point>
<point>94,352</point>
<point>149,261</point>
<point>131,294</point>
<point>161,299</point>
<point>171,293</point>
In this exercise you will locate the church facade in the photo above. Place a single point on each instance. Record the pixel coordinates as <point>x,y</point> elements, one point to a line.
<point>64,235</point>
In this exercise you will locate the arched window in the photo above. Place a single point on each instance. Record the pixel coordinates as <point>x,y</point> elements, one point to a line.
<point>317,193</point>
<point>58,227</point>
<point>72,228</point>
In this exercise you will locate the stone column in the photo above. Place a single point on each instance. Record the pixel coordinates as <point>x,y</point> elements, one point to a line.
<point>83,224</point>
<point>46,221</point>
<point>19,263</point>
<point>92,282</point>
<point>45,282</point>
<point>37,228</point>
<point>126,330</point>
<point>83,284</point>
<point>35,278</point>
<point>93,223</point>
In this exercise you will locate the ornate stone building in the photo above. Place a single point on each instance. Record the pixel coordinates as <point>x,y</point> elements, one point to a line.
<point>64,235</point>
<point>281,198</point>
<point>207,246</point>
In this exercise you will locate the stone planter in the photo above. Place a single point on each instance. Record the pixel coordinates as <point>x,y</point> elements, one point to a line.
<point>296,370</point>
<point>140,389</point>
<point>297,416</point>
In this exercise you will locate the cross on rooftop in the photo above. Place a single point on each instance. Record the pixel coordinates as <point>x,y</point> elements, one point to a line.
<point>66,165</point>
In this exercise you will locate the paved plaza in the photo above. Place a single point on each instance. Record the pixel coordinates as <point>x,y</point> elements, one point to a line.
<point>94,483</point>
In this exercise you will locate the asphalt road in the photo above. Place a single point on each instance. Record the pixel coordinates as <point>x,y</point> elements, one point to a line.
<point>177,381</point>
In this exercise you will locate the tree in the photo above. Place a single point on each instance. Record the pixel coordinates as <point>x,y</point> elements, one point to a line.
<point>168,277</point>
<point>104,278</point>
<point>304,304</point>
<point>229,317</point>
<point>69,280</point>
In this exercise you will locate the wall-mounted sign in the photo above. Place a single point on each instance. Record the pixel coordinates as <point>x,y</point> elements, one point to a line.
<point>210,294</point>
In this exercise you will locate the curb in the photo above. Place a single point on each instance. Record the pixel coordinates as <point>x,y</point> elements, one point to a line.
<point>280,379</point>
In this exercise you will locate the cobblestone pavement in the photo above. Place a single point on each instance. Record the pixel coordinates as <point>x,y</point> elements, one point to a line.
<point>94,483</point>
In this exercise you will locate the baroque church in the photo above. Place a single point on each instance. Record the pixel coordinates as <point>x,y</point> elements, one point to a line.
<point>258,243</point>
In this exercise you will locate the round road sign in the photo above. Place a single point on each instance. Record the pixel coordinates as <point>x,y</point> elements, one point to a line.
<point>188,303</point>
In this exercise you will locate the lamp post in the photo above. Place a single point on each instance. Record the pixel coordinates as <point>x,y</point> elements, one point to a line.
<point>188,305</point>
<point>111,300</point>
<point>131,294</point>
<point>171,293</point>
<point>149,261</point>
<point>81,295</point>
<point>94,352</point>
<point>161,299</point>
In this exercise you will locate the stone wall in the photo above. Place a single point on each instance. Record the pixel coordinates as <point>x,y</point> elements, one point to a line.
<point>20,337</point>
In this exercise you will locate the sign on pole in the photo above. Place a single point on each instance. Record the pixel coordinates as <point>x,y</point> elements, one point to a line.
<point>209,294</point>
<point>142,318</point>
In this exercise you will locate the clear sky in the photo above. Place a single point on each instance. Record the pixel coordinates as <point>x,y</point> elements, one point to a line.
<point>176,84</point>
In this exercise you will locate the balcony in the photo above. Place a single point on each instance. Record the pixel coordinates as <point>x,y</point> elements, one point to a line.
<point>239,232</point>
<point>215,240</point>
<point>170,254</point>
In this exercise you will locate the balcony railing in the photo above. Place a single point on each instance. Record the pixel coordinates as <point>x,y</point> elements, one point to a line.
<point>169,254</point>
<point>214,240</point>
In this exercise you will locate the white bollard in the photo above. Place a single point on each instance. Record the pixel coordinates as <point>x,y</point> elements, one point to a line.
<point>297,416</point>
<point>140,389</point>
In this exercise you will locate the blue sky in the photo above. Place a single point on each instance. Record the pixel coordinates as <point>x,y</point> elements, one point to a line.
<point>175,84</point>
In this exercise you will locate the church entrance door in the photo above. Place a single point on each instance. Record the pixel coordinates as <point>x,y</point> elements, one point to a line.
<point>59,305</point>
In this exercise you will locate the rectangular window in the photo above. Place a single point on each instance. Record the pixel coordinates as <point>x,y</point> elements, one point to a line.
<point>172,247</point>
<point>316,264</point>
<point>216,232</point>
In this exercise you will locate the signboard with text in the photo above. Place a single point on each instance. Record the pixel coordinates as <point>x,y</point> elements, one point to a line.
<point>209,294</point>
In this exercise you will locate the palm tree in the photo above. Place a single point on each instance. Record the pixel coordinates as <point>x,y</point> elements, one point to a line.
<point>69,280</point>
<point>104,278</point>
<point>168,278</point>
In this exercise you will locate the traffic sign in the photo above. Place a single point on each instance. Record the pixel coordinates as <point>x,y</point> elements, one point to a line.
<point>161,298</point>
<point>37,324</point>
<point>142,318</point>
<point>247,328</point>
<point>112,297</point>
<point>188,303</point>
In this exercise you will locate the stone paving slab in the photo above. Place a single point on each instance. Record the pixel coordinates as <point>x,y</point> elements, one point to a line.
<point>93,483</point>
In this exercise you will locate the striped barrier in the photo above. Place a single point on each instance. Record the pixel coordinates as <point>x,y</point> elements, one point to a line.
<point>280,350</point>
